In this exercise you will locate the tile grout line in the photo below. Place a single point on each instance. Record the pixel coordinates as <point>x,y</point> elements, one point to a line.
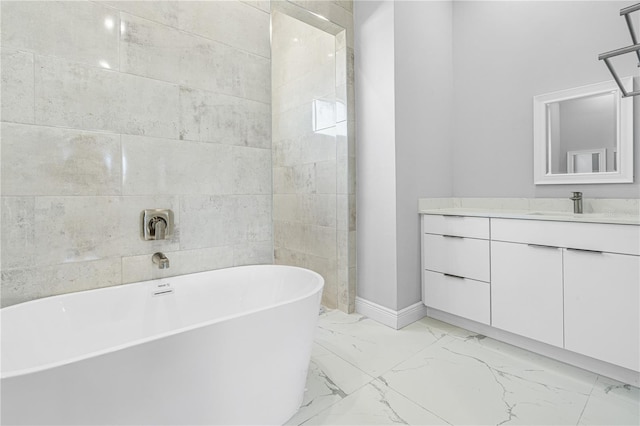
<point>187,31</point>
<point>382,380</point>
<point>593,386</point>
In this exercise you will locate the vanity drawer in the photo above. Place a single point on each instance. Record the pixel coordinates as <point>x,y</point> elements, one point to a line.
<point>465,257</point>
<point>612,238</point>
<point>459,296</point>
<point>461,226</point>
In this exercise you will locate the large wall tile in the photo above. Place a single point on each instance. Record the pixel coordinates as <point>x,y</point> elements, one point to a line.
<point>164,12</point>
<point>224,220</point>
<point>264,5</point>
<point>158,51</point>
<point>210,117</point>
<point>335,13</point>
<point>166,166</point>
<point>110,101</point>
<point>251,170</point>
<point>88,228</point>
<point>22,285</point>
<point>79,31</point>
<point>16,69</point>
<point>232,22</point>
<point>289,235</point>
<point>299,51</point>
<point>253,253</point>
<point>153,50</point>
<point>310,239</point>
<point>222,69</point>
<point>150,49</point>
<point>292,123</point>
<point>319,84</point>
<point>142,268</point>
<point>38,160</point>
<point>306,178</point>
<point>18,232</point>
<point>312,209</point>
<point>254,217</point>
<point>323,266</point>
<point>298,179</point>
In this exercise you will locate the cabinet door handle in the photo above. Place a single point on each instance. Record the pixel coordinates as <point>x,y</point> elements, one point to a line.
<point>452,236</point>
<point>454,276</point>
<point>585,250</point>
<point>542,246</point>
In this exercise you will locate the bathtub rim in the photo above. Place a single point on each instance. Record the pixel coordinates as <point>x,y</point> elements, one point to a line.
<point>43,367</point>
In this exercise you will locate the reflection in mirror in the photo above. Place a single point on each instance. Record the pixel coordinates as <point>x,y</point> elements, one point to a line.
<point>584,135</point>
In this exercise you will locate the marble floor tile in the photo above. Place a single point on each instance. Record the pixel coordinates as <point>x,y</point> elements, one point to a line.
<point>612,403</point>
<point>440,329</point>
<point>320,393</point>
<point>466,382</point>
<point>375,404</point>
<point>434,373</point>
<point>371,346</point>
<point>344,375</point>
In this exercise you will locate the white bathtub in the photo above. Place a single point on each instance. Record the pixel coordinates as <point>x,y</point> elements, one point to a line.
<point>223,347</point>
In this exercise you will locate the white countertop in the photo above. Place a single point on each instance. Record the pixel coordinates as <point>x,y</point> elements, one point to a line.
<point>527,210</point>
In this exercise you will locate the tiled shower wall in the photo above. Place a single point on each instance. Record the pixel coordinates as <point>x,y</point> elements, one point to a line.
<point>112,107</point>
<point>314,189</point>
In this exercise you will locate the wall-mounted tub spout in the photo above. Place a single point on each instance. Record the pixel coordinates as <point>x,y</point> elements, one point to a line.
<point>161,260</point>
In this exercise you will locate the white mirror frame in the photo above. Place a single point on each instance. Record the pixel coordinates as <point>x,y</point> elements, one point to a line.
<point>624,127</point>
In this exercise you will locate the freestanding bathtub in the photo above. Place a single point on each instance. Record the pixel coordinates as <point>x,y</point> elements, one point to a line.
<point>230,346</point>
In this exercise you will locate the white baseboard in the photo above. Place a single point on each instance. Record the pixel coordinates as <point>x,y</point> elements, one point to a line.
<point>389,317</point>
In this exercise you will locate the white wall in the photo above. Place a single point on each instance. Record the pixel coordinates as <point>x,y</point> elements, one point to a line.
<point>375,152</point>
<point>444,105</point>
<point>423,87</point>
<point>504,54</point>
<point>403,92</point>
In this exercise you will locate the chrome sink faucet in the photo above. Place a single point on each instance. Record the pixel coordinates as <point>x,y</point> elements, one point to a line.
<point>161,260</point>
<point>577,202</point>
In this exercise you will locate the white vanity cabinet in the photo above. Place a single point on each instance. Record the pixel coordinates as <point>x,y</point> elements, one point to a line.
<point>456,265</point>
<point>526,290</point>
<point>602,306</point>
<point>569,284</point>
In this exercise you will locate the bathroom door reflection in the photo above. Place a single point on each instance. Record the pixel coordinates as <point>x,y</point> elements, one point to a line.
<point>582,134</point>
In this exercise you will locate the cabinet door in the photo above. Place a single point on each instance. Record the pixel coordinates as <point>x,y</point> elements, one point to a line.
<point>602,307</point>
<point>526,290</point>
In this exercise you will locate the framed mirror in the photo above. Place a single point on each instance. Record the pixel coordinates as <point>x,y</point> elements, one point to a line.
<point>584,135</point>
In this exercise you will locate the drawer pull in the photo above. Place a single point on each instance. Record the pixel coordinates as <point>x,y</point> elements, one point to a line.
<point>542,246</point>
<point>452,236</point>
<point>585,250</point>
<point>454,276</point>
